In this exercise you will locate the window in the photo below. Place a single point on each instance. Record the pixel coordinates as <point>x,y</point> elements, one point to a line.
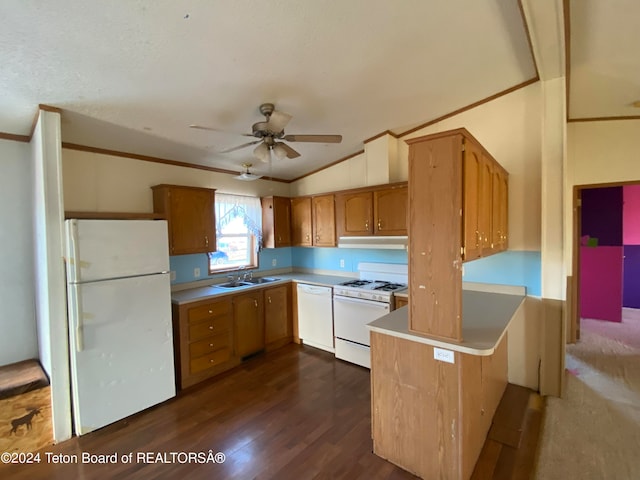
<point>238,233</point>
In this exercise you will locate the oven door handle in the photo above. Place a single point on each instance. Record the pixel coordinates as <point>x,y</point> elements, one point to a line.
<point>372,303</point>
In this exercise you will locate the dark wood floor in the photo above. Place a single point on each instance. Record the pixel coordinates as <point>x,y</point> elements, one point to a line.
<point>294,413</point>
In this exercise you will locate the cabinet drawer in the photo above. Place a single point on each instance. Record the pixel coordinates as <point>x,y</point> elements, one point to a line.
<point>208,328</point>
<point>208,310</point>
<point>207,361</point>
<point>208,345</point>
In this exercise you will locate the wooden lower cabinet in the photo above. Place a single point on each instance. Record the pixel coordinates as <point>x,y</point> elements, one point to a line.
<point>202,340</point>
<point>278,329</point>
<point>432,418</point>
<point>401,302</point>
<point>248,323</point>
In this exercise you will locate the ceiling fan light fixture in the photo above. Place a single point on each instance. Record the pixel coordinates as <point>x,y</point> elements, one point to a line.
<point>261,152</point>
<point>246,175</point>
<point>279,151</point>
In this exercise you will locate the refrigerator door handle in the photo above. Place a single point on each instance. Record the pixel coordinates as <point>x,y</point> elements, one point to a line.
<point>73,249</point>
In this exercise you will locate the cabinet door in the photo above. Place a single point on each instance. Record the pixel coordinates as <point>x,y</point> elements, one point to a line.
<point>354,214</point>
<point>503,199</point>
<point>471,182</point>
<point>190,216</point>
<point>323,221</point>
<point>248,323</point>
<point>390,211</point>
<point>485,209</point>
<point>276,222</point>
<point>277,314</point>
<point>301,221</point>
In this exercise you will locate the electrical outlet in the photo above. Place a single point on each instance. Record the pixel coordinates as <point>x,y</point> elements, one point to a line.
<point>172,275</point>
<point>342,263</point>
<point>196,272</point>
<point>274,262</point>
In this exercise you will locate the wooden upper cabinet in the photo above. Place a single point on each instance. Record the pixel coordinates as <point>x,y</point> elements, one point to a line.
<point>276,222</point>
<point>472,164</point>
<point>190,215</point>
<point>354,214</point>
<point>301,222</point>
<point>390,209</point>
<point>457,198</point>
<point>372,211</point>
<point>323,221</point>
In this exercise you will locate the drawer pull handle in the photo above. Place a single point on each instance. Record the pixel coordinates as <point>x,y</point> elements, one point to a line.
<point>210,311</point>
<point>210,327</point>
<point>269,297</point>
<point>211,361</point>
<point>211,344</point>
<point>255,302</point>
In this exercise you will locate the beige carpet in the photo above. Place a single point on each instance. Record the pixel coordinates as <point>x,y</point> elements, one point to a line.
<point>594,431</point>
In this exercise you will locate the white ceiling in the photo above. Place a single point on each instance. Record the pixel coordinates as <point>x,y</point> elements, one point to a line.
<point>132,75</point>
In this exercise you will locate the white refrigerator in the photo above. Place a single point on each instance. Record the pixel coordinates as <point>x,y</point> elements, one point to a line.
<point>119,313</point>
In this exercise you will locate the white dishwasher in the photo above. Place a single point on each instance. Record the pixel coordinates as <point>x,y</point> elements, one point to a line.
<point>315,316</point>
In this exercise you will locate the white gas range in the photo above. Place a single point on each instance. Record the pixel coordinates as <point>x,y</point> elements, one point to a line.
<point>359,302</point>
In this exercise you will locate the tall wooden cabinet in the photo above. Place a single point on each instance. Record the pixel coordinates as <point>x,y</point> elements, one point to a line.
<point>190,215</point>
<point>372,211</point>
<point>276,222</point>
<point>454,217</point>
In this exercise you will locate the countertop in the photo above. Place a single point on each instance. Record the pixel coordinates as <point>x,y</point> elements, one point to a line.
<point>196,294</point>
<point>485,318</point>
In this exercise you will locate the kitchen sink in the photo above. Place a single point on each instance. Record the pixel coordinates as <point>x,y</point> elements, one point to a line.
<point>258,281</point>
<point>232,284</point>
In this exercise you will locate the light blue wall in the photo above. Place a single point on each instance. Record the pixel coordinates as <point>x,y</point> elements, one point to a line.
<point>329,258</point>
<point>508,268</point>
<point>184,265</point>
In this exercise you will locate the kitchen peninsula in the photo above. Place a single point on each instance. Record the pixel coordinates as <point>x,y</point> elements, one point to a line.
<point>433,399</point>
<point>439,367</point>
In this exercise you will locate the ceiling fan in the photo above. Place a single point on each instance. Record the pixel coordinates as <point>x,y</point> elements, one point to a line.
<point>271,137</point>
<point>246,175</point>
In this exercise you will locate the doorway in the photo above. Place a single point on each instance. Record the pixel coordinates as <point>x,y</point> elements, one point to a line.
<point>606,253</point>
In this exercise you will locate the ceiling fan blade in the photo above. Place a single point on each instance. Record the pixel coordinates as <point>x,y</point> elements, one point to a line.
<point>211,129</point>
<point>233,149</point>
<point>277,121</point>
<point>291,153</point>
<point>313,138</point>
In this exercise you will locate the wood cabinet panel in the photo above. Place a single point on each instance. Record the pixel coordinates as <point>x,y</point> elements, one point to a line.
<point>354,214</point>
<point>248,323</point>
<point>190,216</point>
<point>390,211</point>
<point>323,221</point>
<point>277,315</point>
<point>301,222</point>
<point>202,340</point>
<point>401,302</point>
<point>276,222</point>
<point>485,200</point>
<point>435,277</point>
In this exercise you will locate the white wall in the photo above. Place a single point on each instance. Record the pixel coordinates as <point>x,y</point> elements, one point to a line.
<point>18,340</point>
<point>50,282</point>
<point>106,183</point>
<point>598,152</point>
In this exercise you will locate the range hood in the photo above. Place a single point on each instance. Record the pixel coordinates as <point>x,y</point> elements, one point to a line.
<point>375,241</point>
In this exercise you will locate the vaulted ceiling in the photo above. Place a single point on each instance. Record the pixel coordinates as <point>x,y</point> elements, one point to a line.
<point>132,76</point>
